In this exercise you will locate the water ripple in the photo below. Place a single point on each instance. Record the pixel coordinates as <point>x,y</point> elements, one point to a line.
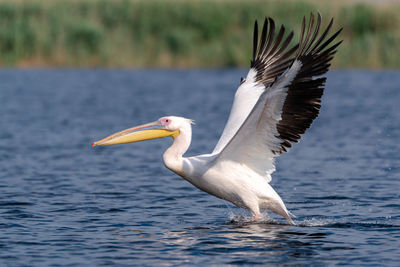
<point>64,203</point>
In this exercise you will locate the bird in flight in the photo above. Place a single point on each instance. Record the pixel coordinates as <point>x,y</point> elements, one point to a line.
<point>272,107</point>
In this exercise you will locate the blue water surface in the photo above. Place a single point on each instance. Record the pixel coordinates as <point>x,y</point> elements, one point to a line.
<point>64,203</point>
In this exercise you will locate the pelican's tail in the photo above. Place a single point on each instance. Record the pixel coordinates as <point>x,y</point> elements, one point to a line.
<point>275,204</point>
<point>280,209</point>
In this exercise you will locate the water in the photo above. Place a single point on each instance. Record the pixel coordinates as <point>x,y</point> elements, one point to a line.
<point>64,203</point>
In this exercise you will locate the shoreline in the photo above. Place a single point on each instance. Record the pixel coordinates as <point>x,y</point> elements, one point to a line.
<point>179,34</point>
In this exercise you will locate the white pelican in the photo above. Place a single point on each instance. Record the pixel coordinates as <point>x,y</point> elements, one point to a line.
<point>274,104</point>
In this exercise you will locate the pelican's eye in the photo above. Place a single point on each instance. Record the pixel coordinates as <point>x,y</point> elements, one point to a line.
<point>242,80</point>
<point>165,121</point>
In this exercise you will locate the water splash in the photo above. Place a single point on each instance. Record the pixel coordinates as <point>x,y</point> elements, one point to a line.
<point>315,222</point>
<point>240,217</point>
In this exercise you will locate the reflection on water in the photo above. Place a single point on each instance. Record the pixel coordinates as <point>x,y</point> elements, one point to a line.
<point>256,241</point>
<point>61,201</point>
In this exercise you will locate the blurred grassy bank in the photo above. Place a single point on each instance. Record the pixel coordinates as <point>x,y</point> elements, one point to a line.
<point>178,33</point>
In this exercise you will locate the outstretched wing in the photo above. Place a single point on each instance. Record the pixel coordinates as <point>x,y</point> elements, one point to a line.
<point>287,104</point>
<point>270,59</point>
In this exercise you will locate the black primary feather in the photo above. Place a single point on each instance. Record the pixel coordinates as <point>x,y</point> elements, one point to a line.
<point>303,100</point>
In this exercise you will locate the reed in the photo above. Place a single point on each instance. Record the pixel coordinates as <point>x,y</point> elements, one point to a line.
<point>156,33</point>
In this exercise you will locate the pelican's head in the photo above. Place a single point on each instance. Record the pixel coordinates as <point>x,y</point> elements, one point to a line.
<point>163,127</point>
<point>174,123</point>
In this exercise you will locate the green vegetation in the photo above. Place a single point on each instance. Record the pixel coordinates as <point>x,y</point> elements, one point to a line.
<point>159,33</point>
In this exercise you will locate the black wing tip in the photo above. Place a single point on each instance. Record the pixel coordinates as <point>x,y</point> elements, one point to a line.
<point>255,43</point>
<point>272,52</point>
<point>317,46</point>
<point>303,101</point>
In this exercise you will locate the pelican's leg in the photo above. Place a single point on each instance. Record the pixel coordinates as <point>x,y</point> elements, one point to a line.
<point>257,217</point>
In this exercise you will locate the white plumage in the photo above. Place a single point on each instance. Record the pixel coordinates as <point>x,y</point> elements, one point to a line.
<point>277,102</point>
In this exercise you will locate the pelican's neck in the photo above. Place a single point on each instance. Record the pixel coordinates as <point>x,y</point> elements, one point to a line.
<point>173,156</point>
